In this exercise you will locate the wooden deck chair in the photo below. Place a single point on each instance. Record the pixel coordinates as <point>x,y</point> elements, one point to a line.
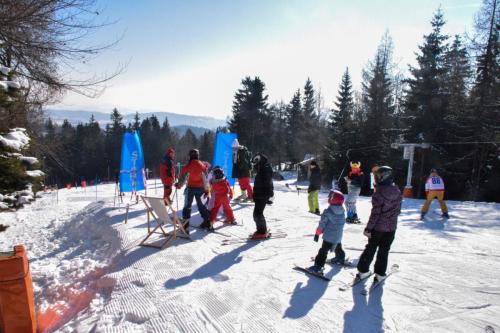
<point>156,208</point>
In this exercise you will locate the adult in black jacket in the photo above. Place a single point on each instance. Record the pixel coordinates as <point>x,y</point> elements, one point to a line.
<point>314,187</point>
<point>263,191</point>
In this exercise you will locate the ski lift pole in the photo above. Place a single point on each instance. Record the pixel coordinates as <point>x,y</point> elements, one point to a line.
<point>96,188</point>
<point>408,154</point>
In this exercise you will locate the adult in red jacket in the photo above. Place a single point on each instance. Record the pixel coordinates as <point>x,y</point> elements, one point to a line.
<point>221,190</point>
<point>167,173</point>
<point>194,173</point>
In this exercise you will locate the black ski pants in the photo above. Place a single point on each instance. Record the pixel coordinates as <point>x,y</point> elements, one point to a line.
<point>323,252</point>
<point>379,240</point>
<point>258,215</point>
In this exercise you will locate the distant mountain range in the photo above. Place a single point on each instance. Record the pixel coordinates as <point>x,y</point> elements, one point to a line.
<point>198,124</point>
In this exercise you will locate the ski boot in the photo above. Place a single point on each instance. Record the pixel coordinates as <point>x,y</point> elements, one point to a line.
<point>317,212</point>
<point>316,269</point>
<point>260,235</point>
<point>422,216</point>
<point>207,225</point>
<point>355,219</point>
<point>338,261</point>
<point>232,222</point>
<point>445,215</point>
<point>361,276</point>
<point>379,278</point>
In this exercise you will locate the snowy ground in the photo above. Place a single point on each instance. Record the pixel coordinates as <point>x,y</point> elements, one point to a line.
<point>90,275</point>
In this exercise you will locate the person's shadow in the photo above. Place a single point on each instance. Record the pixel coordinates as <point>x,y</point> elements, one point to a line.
<point>212,268</point>
<point>367,313</point>
<point>304,298</point>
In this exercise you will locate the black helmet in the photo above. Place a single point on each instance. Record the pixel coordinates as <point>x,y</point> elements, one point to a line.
<point>194,154</point>
<point>383,175</point>
<point>218,172</point>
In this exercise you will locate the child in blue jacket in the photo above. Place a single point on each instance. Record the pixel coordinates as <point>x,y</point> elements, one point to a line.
<point>331,226</point>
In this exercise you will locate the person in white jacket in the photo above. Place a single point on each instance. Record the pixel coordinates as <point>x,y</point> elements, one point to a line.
<point>434,188</point>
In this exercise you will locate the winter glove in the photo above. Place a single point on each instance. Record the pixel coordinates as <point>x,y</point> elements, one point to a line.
<point>316,235</point>
<point>367,233</point>
<point>270,200</point>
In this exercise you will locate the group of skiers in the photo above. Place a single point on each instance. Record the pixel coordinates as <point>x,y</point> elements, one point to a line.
<point>380,230</point>
<point>203,182</point>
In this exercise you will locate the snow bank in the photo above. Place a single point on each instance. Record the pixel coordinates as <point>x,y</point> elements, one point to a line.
<point>16,139</point>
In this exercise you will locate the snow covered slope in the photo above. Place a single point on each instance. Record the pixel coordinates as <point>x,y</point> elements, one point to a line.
<point>90,275</point>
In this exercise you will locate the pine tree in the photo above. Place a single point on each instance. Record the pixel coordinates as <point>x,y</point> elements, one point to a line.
<point>485,105</point>
<point>426,100</point>
<point>378,105</point>
<point>309,131</point>
<point>114,135</point>
<point>294,122</point>
<point>250,119</point>
<point>340,128</point>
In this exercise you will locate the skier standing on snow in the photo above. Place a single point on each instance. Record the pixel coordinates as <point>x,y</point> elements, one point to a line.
<point>354,182</point>
<point>331,226</point>
<point>263,192</point>
<point>241,170</point>
<point>314,187</point>
<point>167,173</point>
<point>195,172</point>
<point>222,193</point>
<point>381,227</point>
<point>434,188</point>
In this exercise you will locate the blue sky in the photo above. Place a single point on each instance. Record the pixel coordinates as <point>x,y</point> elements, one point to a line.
<point>189,56</point>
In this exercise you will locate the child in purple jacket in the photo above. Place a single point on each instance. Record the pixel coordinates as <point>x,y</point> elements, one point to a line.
<point>381,227</point>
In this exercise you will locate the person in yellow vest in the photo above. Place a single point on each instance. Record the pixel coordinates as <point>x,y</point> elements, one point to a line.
<point>434,188</point>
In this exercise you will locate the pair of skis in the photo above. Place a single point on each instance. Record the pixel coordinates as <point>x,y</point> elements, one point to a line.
<point>347,263</point>
<point>240,240</point>
<point>394,269</point>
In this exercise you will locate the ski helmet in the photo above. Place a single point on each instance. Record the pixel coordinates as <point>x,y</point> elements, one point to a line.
<point>335,198</point>
<point>194,154</point>
<point>218,172</point>
<point>384,175</point>
<point>434,170</point>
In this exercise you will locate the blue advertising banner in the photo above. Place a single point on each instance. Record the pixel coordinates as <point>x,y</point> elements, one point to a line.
<point>132,163</point>
<point>223,153</point>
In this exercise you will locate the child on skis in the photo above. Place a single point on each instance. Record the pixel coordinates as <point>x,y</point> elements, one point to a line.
<point>263,192</point>
<point>222,193</point>
<point>434,188</point>
<point>314,187</point>
<point>381,227</point>
<point>331,226</point>
<point>354,182</point>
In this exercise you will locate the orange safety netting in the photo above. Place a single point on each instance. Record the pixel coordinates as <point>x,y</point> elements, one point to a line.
<point>17,305</point>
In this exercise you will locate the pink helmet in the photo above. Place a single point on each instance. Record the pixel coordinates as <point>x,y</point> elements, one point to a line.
<point>335,198</point>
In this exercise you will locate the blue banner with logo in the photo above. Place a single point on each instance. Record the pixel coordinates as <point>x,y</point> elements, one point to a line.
<point>223,153</point>
<point>132,163</point>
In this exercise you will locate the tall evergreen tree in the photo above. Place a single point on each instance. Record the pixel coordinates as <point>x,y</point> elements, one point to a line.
<point>340,128</point>
<point>426,100</point>
<point>485,104</point>
<point>114,135</point>
<point>295,120</point>
<point>378,105</point>
<point>309,132</point>
<point>250,115</point>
